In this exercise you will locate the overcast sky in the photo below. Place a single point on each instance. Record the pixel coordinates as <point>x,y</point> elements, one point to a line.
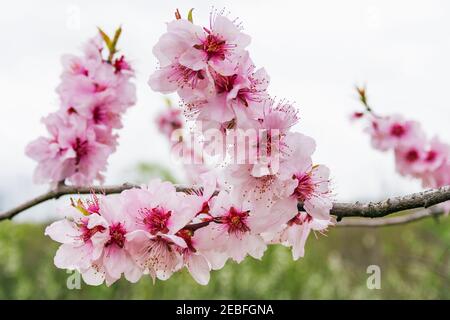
<point>314,51</point>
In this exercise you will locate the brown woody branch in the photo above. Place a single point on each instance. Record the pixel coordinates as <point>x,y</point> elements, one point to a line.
<point>424,199</point>
<point>379,209</point>
<point>392,221</point>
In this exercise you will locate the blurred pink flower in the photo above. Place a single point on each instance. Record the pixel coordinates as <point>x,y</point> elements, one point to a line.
<point>393,131</point>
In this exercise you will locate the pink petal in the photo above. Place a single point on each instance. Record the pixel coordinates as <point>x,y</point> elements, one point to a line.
<point>193,59</point>
<point>63,231</point>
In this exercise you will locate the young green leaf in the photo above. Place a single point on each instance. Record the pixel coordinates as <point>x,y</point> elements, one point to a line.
<point>105,38</point>
<point>116,37</point>
<point>190,15</point>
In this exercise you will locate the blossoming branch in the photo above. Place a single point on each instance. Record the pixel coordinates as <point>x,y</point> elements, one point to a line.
<point>416,156</point>
<point>267,190</point>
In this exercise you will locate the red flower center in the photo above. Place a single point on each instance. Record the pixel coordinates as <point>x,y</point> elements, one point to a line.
<point>120,64</point>
<point>81,148</point>
<point>224,83</point>
<point>398,130</point>
<point>213,46</point>
<point>412,155</point>
<point>236,221</point>
<point>305,187</point>
<point>86,233</point>
<point>117,235</point>
<point>156,219</point>
<point>71,110</point>
<point>431,156</point>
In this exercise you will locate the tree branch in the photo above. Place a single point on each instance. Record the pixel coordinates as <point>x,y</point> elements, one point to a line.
<point>423,199</point>
<point>391,221</point>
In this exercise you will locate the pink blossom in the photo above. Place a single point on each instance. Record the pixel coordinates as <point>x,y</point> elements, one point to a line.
<point>93,48</point>
<point>423,160</point>
<point>297,230</point>
<point>438,177</point>
<point>169,120</point>
<point>97,80</point>
<point>262,191</point>
<point>160,213</point>
<point>72,152</point>
<point>437,154</point>
<point>216,46</point>
<point>209,68</point>
<point>93,241</point>
<point>394,131</point>
<point>313,190</point>
<point>409,160</point>
<point>311,182</point>
<point>280,115</point>
<point>181,36</point>
<point>264,183</point>
<point>265,140</point>
<point>102,112</point>
<point>233,233</point>
<point>208,186</point>
<point>245,89</point>
<point>176,77</point>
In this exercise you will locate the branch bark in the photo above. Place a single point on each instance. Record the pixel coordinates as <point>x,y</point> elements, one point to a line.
<point>391,221</point>
<point>379,209</point>
<point>424,199</point>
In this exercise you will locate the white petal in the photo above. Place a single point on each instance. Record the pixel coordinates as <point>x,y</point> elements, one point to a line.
<point>198,268</point>
<point>93,277</point>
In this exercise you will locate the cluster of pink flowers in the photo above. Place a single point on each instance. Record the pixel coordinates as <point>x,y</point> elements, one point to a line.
<point>210,70</point>
<point>94,93</point>
<point>277,199</point>
<point>415,155</point>
<point>140,231</point>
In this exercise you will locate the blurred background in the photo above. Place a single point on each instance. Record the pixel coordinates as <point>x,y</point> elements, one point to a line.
<point>315,52</point>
